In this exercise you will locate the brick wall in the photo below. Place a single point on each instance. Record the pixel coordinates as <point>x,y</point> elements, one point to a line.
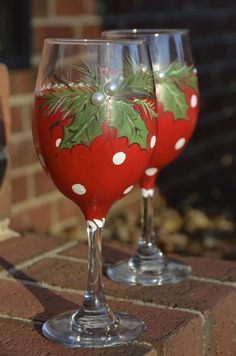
<point>211,152</point>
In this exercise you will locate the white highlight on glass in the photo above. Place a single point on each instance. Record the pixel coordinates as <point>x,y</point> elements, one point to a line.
<point>58,142</point>
<point>193,101</point>
<point>153,141</point>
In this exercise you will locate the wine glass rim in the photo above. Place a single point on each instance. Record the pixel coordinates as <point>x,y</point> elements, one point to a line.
<point>149,31</point>
<point>85,42</point>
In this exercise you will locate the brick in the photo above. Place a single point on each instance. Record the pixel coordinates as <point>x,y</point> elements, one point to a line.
<point>216,269</point>
<point>22,81</point>
<point>40,33</point>
<point>17,250</point>
<point>39,218</point>
<point>22,153</point>
<point>19,189</point>
<point>39,8</point>
<point>164,328</point>
<point>29,341</point>
<point>43,183</point>
<point>71,7</point>
<point>68,209</point>
<point>16,117</point>
<point>91,32</point>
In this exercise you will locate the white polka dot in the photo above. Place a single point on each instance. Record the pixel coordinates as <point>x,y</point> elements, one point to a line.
<point>151,171</point>
<point>153,141</point>
<point>127,190</point>
<point>193,101</point>
<point>119,158</point>
<point>78,189</point>
<point>180,143</point>
<point>58,142</point>
<point>41,159</point>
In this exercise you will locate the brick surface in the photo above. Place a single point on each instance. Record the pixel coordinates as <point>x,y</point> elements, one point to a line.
<point>39,8</point>
<point>19,249</point>
<point>39,218</point>
<point>43,183</point>
<point>16,119</point>
<point>19,189</point>
<point>22,81</point>
<point>40,33</point>
<point>22,153</point>
<point>91,32</point>
<point>71,7</point>
<point>171,313</point>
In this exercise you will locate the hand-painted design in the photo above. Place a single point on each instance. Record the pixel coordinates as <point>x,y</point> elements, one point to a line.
<point>78,189</point>
<point>119,158</point>
<point>147,192</point>
<point>180,143</point>
<point>96,223</point>
<point>193,101</point>
<point>98,97</point>
<point>151,171</point>
<point>171,84</point>
<point>127,190</point>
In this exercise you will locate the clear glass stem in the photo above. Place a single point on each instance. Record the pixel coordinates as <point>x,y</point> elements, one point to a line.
<point>94,313</point>
<point>147,252</point>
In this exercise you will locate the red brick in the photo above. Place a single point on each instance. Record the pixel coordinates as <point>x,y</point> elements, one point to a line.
<point>68,209</point>
<point>39,8</point>
<point>91,32</point>
<point>16,117</point>
<point>37,219</point>
<point>43,183</point>
<point>22,153</point>
<point>19,189</point>
<point>18,338</point>
<point>220,270</point>
<point>17,250</point>
<point>22,80</point>
<point>167,330</point>
<point>40,33</point>
<point>71,7</point>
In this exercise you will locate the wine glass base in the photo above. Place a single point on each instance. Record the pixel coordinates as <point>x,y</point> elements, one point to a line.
<point>159,274</point>
<point>60,329</point>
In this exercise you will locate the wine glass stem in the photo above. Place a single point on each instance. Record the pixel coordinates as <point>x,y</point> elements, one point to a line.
<point>94,313</point>
<point>147,247</point>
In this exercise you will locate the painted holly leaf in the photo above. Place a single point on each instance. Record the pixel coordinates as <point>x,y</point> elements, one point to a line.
<point>173,99</point>
<point>86,126</point>
<point>77,101</point>
<point>171,84</point>
<point>128,123</point>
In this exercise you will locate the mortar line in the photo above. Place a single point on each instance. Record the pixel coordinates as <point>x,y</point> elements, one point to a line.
<point>119,299</point>
<point>213,281</point>
<point>70,258</point>
<point>38,258</point>
<point>18,318</point>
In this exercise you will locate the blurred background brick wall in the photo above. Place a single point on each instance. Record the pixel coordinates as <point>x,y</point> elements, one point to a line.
<point>208,164</point>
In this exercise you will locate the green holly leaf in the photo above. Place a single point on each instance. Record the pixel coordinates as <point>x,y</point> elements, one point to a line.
<point>128,123</point>
<point>86,126</point>
<point>173,99</point>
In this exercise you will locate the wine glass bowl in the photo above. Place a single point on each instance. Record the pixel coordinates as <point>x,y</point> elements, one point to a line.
<point>178,108</point>
<point>94,128</point>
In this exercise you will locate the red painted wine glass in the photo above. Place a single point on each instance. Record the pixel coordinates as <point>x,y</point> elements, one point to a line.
<point>94,125</point>
<point>178,107</point>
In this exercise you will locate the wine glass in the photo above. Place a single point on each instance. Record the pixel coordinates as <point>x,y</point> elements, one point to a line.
<point>178,107</point>
<point>94,124</point>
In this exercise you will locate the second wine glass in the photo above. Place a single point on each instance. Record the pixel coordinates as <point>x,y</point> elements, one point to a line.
<point>178,107</point>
